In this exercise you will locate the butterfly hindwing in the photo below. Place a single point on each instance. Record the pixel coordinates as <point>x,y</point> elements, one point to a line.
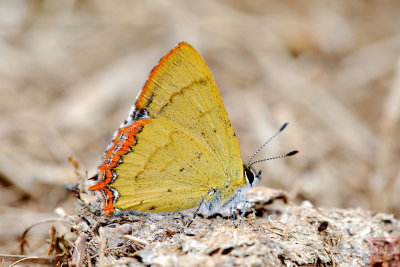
<point>168,170</point>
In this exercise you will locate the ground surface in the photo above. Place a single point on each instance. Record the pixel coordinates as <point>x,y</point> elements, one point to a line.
<point>274,233</point>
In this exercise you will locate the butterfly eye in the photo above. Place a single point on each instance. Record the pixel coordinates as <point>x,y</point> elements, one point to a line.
<point>251,177</point>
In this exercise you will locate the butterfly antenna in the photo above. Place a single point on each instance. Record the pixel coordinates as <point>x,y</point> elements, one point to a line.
<point>294,152</point>
<point>269,140</point>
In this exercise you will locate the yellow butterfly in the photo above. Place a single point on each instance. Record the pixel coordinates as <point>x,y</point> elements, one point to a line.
<point>177,150</point>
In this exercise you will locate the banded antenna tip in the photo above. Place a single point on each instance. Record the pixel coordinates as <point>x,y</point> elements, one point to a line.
<point>294,152</point>
<point>283,126</point>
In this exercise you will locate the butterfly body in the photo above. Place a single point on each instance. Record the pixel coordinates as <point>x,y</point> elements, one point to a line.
<point>177,148</point>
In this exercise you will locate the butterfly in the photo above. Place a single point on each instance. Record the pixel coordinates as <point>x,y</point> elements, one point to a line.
<point>177,149</point>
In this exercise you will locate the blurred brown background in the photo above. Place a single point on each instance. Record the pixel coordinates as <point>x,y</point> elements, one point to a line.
<point>70,71</point>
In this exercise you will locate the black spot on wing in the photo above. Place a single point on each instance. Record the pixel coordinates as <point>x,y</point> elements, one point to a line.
<point>198,155</point>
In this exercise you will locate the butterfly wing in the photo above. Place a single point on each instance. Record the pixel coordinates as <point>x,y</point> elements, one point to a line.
<point>169,169</point>
<point>183,145</point>
<point>181,88</point>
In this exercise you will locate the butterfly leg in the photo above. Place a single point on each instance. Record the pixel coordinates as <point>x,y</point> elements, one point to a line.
<point>195,213</point>
<point>243,212</point>
<point>233,212</point>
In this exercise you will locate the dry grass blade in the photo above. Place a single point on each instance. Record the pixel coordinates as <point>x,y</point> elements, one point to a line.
<point>13,260</point>
<point>23,240</point>
<point>78,255</point>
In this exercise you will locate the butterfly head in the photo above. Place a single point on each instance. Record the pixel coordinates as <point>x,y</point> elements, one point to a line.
<point>251,175</point>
